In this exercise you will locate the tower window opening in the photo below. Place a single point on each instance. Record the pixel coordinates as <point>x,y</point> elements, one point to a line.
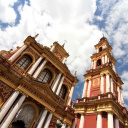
<point>100,49</point>
<point>99,62</point>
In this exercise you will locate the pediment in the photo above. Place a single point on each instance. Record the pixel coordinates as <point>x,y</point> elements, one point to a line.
<point>44,89</point>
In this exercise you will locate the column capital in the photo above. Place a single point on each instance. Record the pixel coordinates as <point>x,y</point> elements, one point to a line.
<point>102,74</point>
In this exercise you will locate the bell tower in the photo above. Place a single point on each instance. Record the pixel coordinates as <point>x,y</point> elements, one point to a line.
<point>101,105</point>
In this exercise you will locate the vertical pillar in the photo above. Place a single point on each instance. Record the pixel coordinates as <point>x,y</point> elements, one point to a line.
<point>116,123</point>
<point>84,89</point>
<point>39,69</point>
<point>110,120</point>
<point>40,124</point>
<point>102,59</point>
<point>64,60</point>
<point>89,87</point>
<point>70,96</point>
<point>102,84</point>
<point>107,82</point>
<point>74,123</point>
<point>112,85</point>
<point>63,126</point>
<point>48,120</point>
<point>15,55</point>
<point>94,64</point>
<point>106,58</point>
<point>97,50</point>
<point>8,104</point>
<point>56,83</point>
<point>52,48</point>
<point>35,66</point>
<point>122,100</point>
<point>81,121</point>
<point>99,120</point>
<point>118,89</point>
<point>60,85</point>
<point>13,112</point>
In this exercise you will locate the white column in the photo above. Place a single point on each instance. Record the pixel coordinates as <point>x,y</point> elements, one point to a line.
<point>48,121</point>
<point>60,86</point>
<point>52,48</point>
<point>102,59</point>
<point>8,104</point>
<point>39,69</point>
<point>35,66</point>
<point>84,89</point>
<point>107,82</point>
<point>122,100</point>
<point>110,120</point>
<point>116,123</point>
<point>111,85</point>
<point>81,121</point>
<point>56,83</point>
<point>15,55</point>
<point>64,60</point>
<point>63,126</point>
<point>70,96</point>
<point>89,87</point>
<point>40,124</point>
<point>13,112</point>
<point>97,50</point>
<point>94,64</point>
<point>106,58</point>
<point>118,89</point>
<point>99,120</point>
<point>74,123</point>
<point>102,84</point>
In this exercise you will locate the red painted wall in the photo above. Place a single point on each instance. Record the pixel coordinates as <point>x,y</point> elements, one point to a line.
<point>78,121</point>
<point>104,120</point>
<point>121,125</point>
<point>90,120</point>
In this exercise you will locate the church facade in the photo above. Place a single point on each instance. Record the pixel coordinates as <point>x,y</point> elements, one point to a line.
<point>36,86</point>
<point>101,105</point>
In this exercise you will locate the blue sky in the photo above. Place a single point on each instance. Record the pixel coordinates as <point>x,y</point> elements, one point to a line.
<point>80,23</point>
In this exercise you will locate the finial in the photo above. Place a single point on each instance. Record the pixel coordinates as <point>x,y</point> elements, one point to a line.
<point>65,41</point>
<point>75,73</point>
<point>78,95</point>
<point>35,36</point>
<point>103,34</point>
<point>63,45</point>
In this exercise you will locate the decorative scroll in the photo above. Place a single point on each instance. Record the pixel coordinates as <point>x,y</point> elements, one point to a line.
<point>5,91</point>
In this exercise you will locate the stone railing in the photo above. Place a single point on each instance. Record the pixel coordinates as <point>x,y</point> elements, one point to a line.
<point>96,98</point>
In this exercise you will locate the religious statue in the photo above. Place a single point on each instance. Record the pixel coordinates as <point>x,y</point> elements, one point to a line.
<point>59,123</point>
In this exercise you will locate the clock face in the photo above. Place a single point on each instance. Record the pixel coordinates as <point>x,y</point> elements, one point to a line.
<point>96,82</point>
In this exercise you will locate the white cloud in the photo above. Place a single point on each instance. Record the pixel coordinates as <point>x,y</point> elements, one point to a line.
<point>124,77</point>
<point>7,13</point>
<point>68,21</point>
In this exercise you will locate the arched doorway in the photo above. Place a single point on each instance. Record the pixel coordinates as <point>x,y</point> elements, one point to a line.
<point>25,115</point>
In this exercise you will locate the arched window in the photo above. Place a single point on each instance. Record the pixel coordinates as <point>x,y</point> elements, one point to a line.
<point>100,49</point>
<point>99,62</point>
<point>63,92</point>
<point>25,61</point>
<point>45,76</point>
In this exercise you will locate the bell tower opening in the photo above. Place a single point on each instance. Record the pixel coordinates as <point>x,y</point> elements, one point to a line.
<point>100,49</point>
<point>99,62</point>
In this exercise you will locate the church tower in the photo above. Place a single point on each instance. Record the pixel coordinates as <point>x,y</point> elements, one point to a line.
<point>101,105</point>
